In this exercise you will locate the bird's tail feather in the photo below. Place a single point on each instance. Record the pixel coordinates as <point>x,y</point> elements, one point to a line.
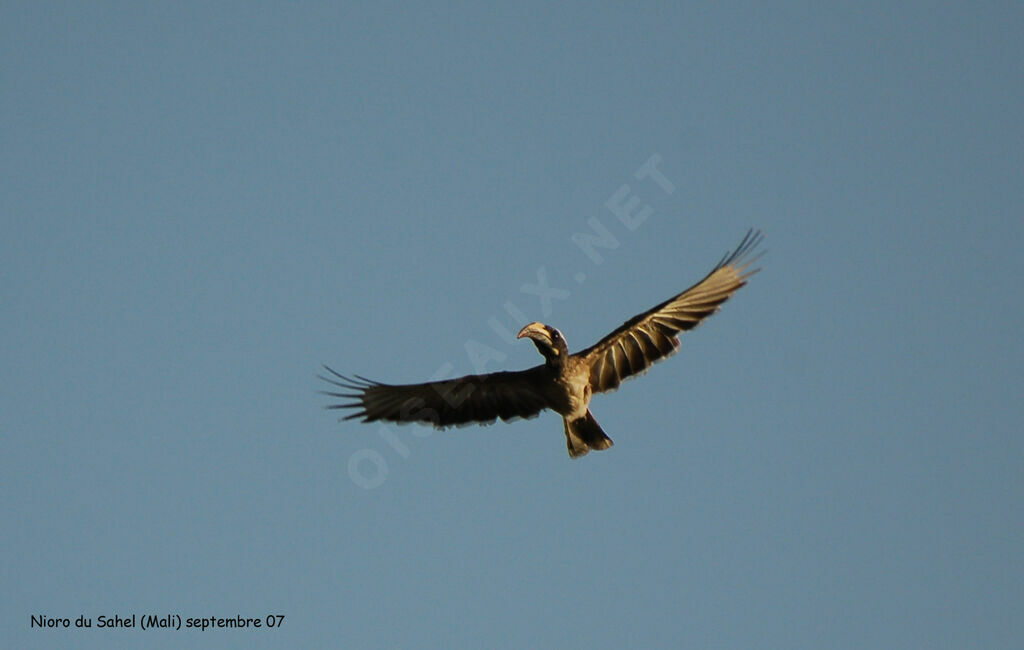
<point>584,434</point>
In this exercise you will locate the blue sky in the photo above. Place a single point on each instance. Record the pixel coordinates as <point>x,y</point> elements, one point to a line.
<point>203,203</point>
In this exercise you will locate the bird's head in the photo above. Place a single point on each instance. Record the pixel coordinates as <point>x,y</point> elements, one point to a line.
<point>549,342</point>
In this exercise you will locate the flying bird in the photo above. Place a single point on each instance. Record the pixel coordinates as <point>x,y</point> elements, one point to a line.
<point>565,382</point>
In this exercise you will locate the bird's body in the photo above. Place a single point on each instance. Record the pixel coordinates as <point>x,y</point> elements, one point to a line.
<point>572,394</point>
<point>565,382</point>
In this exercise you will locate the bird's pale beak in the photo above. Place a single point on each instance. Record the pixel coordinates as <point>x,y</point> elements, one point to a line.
<point>533,330</point>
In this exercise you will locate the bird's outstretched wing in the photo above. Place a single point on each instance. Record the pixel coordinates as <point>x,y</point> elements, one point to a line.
<point>469,399</point>
<point>652,336</point>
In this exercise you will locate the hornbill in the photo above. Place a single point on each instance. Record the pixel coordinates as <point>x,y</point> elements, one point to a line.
<point>565,382</point>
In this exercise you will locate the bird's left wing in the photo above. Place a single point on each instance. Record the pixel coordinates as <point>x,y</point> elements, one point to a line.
<point>473,398</point>
<point>652,335</point>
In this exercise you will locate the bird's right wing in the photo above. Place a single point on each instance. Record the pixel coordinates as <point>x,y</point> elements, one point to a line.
<point>652,336</point>
<point>473,398</point>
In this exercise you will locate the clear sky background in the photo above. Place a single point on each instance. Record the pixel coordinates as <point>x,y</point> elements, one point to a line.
<point>201,204</point>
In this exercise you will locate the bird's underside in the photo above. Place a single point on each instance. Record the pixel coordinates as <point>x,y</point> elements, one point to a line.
<point>565,382</point>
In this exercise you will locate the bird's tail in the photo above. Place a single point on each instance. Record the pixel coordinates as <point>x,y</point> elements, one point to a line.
<point>584,434</point>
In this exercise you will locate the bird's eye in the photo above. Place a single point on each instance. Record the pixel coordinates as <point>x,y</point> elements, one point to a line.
<point>555,335</point>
